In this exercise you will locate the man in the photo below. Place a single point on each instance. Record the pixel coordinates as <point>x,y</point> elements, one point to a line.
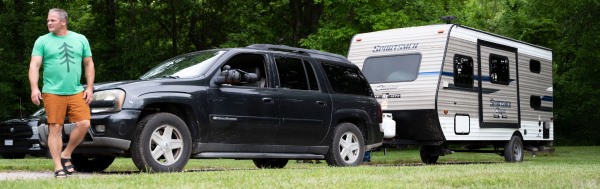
<point>61,52</point>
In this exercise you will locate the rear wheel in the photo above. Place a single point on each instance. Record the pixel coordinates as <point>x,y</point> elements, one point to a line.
<point>513,150</point>
<point>162,143</point>
<point>427,156</point>
<point>270,163</point>
<point>347,146</point>
<point>91,163</point>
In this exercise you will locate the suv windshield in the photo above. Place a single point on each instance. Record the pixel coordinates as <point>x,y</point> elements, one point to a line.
<point>185,66</point>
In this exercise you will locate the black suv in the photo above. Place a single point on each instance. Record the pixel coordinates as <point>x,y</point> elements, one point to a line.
<point>268,103</point>
<point>20,137</point>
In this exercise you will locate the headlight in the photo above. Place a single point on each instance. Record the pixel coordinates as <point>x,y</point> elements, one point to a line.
<point>34,131</point>
<point>107,101</point>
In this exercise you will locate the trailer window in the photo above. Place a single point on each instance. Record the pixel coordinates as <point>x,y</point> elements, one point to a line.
<point>499,69</point>
<point>396,68</point>
<point>534,66</point>
<point>535,102</point>
<point>463,71</point>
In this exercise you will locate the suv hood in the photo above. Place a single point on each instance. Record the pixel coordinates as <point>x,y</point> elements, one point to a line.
<point>112,85</point>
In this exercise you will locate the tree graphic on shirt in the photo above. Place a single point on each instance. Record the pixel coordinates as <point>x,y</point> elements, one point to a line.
<point>66,55</point>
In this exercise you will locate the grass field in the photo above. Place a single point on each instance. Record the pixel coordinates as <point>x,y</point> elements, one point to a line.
<point>568,167</point>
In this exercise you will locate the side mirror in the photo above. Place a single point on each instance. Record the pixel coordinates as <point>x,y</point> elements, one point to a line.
<point>235,76</point>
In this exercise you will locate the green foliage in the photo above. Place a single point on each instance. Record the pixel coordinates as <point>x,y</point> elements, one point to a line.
<point>130,37</point>
<point>576,44</point>
<point>343,19</point>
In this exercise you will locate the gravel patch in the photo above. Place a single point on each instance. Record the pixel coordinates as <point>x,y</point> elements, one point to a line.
<point>27,175</point>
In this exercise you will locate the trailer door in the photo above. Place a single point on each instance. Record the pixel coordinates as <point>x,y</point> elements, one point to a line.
<point>498,86</point>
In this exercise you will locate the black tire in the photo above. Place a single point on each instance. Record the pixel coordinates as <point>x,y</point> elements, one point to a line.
<point>91,163</point>
<point>270,163</point>
<point>13,156</point>
<point>513,150</point>
<point>348,153</point>
<point>427,156</point>
<point>173,155</point>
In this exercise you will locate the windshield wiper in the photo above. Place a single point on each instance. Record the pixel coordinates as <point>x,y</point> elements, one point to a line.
<point>171,76</point>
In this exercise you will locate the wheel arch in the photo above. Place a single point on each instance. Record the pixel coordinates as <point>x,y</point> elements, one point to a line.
<point>178,104</point>
<point>517,133</point>
<point>357,117</point>
<point>181,110</point>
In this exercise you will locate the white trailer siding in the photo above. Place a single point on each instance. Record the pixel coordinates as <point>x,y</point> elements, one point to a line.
<point>464,41</point>
<point>417,94</point>
<point>435,89</point>
<point>537,84</point>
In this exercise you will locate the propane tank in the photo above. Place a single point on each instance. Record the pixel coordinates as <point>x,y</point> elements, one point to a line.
<point>389,126</point>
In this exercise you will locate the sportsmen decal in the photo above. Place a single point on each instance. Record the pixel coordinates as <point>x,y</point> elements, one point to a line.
<point>398,47</point>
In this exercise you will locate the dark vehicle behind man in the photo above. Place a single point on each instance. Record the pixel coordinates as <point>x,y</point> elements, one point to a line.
<point>20,137</point>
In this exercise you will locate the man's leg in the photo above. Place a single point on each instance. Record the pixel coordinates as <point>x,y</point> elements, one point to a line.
<point>81,128</point>
<point>55,144</point>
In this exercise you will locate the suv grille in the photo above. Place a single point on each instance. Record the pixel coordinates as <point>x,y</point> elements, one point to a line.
<point>15,130</point>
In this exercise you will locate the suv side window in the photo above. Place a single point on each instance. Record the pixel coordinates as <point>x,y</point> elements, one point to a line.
<point>347,80</point>
<point>296,73</point>
<point>251,63</point>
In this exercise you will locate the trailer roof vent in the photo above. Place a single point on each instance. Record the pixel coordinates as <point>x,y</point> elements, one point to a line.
<point>448,19</point>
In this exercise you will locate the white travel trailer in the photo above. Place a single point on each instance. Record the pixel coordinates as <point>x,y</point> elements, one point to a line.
<point>449,84</point>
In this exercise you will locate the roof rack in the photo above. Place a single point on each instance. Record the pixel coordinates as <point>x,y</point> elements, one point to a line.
<point>286,48</point>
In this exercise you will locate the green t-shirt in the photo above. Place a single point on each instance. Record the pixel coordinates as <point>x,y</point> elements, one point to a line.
<point>62,58</point>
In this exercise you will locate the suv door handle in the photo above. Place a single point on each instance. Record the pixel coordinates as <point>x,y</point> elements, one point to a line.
<point>268,100</point>
<point>321,103</point>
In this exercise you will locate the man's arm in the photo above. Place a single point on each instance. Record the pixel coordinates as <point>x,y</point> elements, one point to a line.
<point>34,75</point>
<point>90,74</point>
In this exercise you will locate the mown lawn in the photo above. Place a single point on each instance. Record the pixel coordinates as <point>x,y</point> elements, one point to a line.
<point>568,167</point>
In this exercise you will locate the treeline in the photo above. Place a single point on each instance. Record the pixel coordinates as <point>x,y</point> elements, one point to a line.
<point>129,37</point>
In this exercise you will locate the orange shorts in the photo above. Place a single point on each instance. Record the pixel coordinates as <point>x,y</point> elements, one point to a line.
<point>58,106</point>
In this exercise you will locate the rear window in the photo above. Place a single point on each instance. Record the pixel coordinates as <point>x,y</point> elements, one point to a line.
<point>346,80</point>
<point>397,68</point>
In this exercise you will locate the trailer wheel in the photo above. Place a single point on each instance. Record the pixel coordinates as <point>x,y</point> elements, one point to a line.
<point>427,154</point>
<point>513,150</point>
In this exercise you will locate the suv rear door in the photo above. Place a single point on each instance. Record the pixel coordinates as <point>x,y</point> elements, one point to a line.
<point>305,109</point>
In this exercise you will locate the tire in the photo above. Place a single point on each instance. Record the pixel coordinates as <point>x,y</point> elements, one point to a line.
<point>13,156</point>
<point>91,163</point>
<point>270,163</point>
<point>513,150</point>
<point>172,152</point>
<point>347,146</point>
<point>426,154</point>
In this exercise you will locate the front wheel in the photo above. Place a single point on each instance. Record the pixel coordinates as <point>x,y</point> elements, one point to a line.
<point>513,150</point>
<point>162,143</point>
<point>91,163</point>
<point>347,147</point>
<point>270,163</point>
